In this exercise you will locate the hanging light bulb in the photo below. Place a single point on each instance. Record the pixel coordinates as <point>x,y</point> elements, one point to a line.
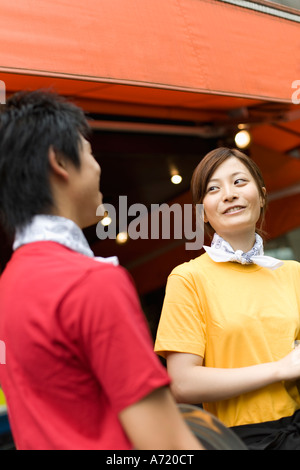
<point>242,139</point>
<point>122,238</point>
<point>176,178</point>
<point>106,220</point>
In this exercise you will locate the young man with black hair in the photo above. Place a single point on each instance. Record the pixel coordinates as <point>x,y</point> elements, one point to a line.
<point>80,370</point>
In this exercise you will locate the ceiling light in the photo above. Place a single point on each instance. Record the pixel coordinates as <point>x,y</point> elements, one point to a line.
<point>176,179</point>
<point>122,238</point>
<point>106,220</point>
<point>242,139</point>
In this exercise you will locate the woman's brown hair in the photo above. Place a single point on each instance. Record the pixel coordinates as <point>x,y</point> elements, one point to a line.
<point>204,171</point>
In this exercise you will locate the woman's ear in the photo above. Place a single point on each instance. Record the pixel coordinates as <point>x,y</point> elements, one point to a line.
<point>57,163</point>
<point>263,200</point>
<point>205,219</point>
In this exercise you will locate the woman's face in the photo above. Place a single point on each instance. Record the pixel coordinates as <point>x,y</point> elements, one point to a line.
<point>232,202</point>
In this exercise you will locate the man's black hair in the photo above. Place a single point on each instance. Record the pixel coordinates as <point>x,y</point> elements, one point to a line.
<point>31,123</point>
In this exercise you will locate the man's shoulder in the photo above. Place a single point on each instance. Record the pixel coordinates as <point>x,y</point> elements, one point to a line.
<point>50,260</point>
<point>89,270</point>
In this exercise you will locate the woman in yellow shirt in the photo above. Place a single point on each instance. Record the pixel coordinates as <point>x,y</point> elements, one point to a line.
<point>231,316</point>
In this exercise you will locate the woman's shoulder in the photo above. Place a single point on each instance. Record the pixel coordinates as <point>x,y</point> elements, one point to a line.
<point>291,265</point>
<point>289,272</point>
<point>190,267</point>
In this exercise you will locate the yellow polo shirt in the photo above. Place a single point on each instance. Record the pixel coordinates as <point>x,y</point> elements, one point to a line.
<point>234,316</point>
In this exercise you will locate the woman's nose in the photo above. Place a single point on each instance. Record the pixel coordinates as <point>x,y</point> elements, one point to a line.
<point>229,194</point>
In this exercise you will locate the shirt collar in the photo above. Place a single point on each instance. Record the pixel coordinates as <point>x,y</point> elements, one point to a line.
<point>57,229</point>
<point>221,251</point>
<point>257,249</point>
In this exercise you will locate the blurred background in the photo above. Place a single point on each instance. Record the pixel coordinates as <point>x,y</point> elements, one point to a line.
<point>163,83</point>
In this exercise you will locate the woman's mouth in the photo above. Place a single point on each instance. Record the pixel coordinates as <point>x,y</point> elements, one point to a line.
<point>233,210</point>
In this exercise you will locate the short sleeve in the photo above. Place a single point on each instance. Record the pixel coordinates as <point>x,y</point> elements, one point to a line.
<point>113,337</point>
<point>182,323</point>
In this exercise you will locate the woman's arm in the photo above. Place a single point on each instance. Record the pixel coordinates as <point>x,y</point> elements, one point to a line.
<point>194,383</point>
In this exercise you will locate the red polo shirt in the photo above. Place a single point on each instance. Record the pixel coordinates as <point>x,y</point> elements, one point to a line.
<point>78,349</point>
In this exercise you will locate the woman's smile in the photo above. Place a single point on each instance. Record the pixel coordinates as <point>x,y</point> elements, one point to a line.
<point>234,210</point>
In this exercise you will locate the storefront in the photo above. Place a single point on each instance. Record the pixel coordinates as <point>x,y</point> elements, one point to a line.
<point>163,82</point>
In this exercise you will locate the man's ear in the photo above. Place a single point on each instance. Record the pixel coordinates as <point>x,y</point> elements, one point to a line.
<point>57,163</point>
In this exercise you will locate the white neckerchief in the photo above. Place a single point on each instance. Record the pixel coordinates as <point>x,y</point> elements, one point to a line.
<point>57,229</point>
<point>221,251</point>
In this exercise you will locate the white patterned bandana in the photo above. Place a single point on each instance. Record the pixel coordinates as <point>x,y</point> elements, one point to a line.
<point>57,229</point>
<point>221,251</point>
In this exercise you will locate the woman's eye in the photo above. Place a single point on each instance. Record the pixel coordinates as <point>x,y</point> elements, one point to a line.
<point>211,188</point>
<point>239,181</point>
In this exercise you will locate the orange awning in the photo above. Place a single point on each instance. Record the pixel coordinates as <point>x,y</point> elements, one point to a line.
<point>203,46</point>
